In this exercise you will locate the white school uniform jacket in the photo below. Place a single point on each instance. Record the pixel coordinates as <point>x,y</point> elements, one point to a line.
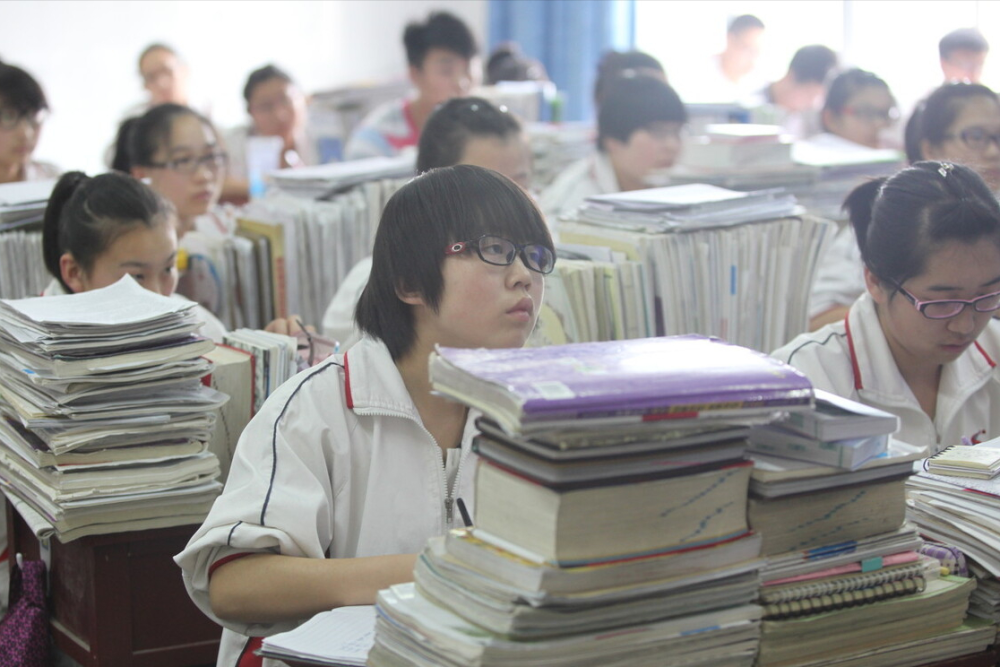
<point>589,176</point>
<point>852,359</point>
<point>337,464</point>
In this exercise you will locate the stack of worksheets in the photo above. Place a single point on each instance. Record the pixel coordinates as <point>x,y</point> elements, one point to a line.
<point>844,581</point>
<point>105,419</point>
<point>710,268</point>
<point>24,202</point>
<point>325,180</point>
<point>610,523</point>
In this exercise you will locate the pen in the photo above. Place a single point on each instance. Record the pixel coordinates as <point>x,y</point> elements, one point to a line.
<point>966,441</point>
<point>466,519</point>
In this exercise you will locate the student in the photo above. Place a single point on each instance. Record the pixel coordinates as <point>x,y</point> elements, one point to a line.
<point>959,122</point>
<point>793,101</point>
<point>277,109</point>
<point>508,63</point>
<point>98,229</point>
<point>178,150</point>
<point>859,108</point>
<point>349,468</point>
<point>729,76</point>
<point>440,53</point>
<point>963,53</point>
<point>921,343</point>
<point>614,64</point>
<point>23,108</point>
<point>638,132</point>
<point>462,131</point>
<point>165,76</point>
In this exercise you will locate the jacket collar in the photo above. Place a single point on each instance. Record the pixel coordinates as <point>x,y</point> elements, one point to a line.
<point>373,383</point>
<point>876,375</point>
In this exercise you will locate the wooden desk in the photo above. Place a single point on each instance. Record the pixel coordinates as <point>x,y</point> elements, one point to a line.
<point>118,600</point>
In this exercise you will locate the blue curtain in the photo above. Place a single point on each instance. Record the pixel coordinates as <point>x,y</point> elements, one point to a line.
<point>568,37</point>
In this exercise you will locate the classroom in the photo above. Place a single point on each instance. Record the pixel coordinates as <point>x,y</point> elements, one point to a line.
<point>490,332</point>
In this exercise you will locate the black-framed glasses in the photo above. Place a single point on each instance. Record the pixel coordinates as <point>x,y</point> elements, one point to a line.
<point>943,309</point>
<point>976,138</point>
<point>214,161</point>
<point>11,118</point>
<point>499,251</point>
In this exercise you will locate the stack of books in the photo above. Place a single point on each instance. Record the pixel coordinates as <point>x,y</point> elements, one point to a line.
<point>959,505</point>
<point>844,582</point>
<point>105,418</point>
<point>22,268</point>
<point>839,432</point>
<point>325,180</point>
<point>743,146</point>
<point>555,146</point>
<point>610,509</point>
<point>717,262</point>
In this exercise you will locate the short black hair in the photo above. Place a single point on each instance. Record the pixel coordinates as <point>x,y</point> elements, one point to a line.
<point>744,22</point>
<point>85,215</point>
<point>263,75</point>
<point>20,92</point>
<point>931,121</point>
<point>454,123</point>
<point>848,84</point>
<point>963,39</point>
<point>419,221</point>
<point>149,132</point>
<point>616,63</point>
<point>441,30</point>
<point>812,64</point>
<point>899,221</point>
<point>507,63</point>
<point>634,102</point>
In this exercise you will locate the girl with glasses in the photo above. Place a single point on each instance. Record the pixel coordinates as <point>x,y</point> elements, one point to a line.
<point>859,108</point>
<point>22,111</point>
<point>350,467</point>
<point>921,342</point>
<point>958,122</point>
<point>178,151</point>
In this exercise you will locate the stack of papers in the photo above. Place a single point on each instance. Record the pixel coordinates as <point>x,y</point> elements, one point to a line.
<point>556,146</point>
<point>102,411</point>
<point>24,202</point>
<point>325,180</point>
<point>22,265</point>
<point>685,207</point>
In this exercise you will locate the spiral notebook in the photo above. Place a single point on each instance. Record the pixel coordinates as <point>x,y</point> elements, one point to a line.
<point>850,590</point>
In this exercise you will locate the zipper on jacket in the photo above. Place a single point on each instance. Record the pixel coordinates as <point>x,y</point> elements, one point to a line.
<point>449,494</point>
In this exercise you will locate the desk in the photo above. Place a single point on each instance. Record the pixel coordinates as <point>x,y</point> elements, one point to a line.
<point>119,601</point>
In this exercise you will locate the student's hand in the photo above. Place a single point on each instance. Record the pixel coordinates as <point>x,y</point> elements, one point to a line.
<point>288,326</point>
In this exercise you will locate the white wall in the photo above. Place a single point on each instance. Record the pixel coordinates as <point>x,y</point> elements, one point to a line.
<point>84,53</point>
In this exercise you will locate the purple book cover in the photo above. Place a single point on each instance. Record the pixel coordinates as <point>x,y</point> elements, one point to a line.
<point>674,376</point>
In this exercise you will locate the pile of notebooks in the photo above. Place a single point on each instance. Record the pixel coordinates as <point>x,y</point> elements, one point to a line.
<point>959,505</point>
<point>717,262</point>
<point>844,582</point>
<point>105,418</point>
<point>610,524</point>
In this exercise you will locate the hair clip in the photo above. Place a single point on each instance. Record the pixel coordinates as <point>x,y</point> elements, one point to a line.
<point>945,169</point>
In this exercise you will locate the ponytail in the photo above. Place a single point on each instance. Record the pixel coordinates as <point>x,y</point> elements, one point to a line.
<point>52,248</point>
<point>85,215</point>
<point>859,204</point>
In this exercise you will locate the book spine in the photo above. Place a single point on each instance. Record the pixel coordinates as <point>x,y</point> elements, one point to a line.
<point>832,601</point>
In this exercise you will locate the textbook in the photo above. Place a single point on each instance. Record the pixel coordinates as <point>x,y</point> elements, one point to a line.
<point>839,418</point>
<point>849,453</point>
<point>618,382</point>
<point>828,516</point>
<point>981,461</point>
<point>628,516</point>
<point>341,637</point>
<point>413,630</point>
<point>473,550</point>
<point>503,613</point>
<point>232,374</point>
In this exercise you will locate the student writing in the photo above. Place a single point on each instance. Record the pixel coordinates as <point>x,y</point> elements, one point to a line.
<point>350,467</point>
